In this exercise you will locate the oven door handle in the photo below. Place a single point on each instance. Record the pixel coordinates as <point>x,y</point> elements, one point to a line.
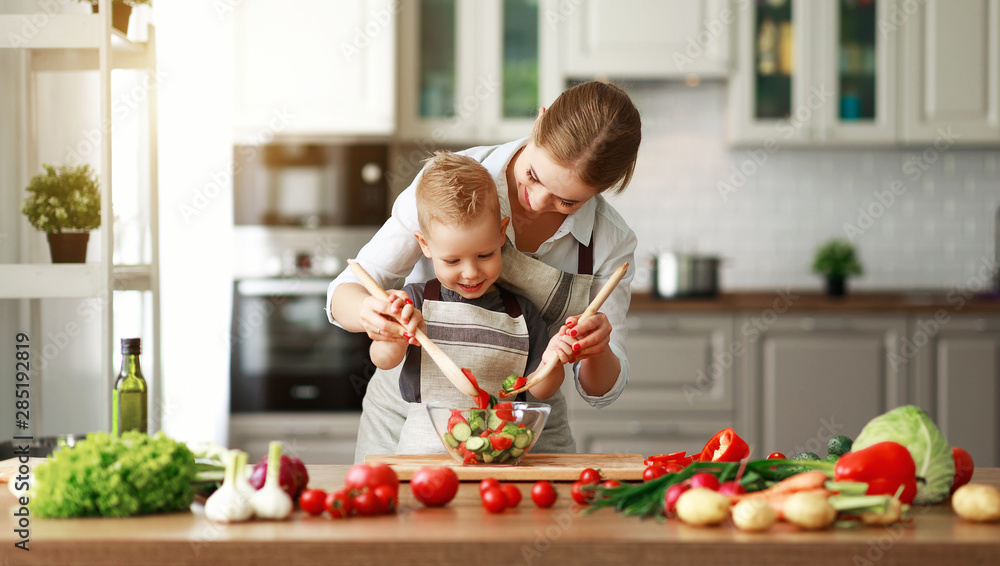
<point>281,287</point>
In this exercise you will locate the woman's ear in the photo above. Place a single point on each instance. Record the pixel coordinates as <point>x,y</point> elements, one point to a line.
<point>424,247</point>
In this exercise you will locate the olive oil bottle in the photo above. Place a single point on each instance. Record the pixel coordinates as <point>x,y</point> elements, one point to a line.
<point>129,405</point>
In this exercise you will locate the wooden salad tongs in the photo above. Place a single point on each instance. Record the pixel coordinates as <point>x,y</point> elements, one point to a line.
<point>449,367</point>
<point>541,372</point>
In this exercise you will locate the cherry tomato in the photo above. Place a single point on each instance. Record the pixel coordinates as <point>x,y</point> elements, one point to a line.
<point>653,472</point>
<point>776,456</point>
<point>672,467</point>
<point>590,476</point>
<point>543,494</point>
<point>576,490</point>
<point>705,479</point>
<point>366,503</point>
<point>313,501</point>
<point>611,483</point>
<point>434,486</point>
<point>513,494</point>
<point>494,500</point>
<point>338,504</point>
<point>963,467</point>
<point>387,498</point>
<point>486,484</point>
<point>360,476</point>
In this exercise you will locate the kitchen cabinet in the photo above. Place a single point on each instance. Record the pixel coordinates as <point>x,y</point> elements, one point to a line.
<point>645,39</point>
<point>322,68</point>
<point>805,379</point>
<point>107,294</point>
<point>328,438</point>
<point>951,71</point>
<point>474,72</point>
<point>956,363</point>
<point>814,72</point>
<point>680,389</point>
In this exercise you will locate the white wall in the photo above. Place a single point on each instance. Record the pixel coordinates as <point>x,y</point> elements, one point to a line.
<point>934,236</point>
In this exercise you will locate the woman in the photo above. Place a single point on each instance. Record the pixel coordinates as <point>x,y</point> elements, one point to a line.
<point>565,241</point>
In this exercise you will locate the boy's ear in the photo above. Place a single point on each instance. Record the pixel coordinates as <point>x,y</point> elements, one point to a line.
<point>423,244</point>
<point>503,228</point>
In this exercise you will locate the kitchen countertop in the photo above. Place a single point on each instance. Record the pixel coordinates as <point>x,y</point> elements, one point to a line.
<point>463,532</point>
<point>951,302</point>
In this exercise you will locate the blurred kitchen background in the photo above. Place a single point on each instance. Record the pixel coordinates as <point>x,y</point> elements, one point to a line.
<point>285,129</point>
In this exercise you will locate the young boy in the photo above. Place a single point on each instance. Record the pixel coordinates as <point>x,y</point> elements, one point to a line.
<point>481,326</point>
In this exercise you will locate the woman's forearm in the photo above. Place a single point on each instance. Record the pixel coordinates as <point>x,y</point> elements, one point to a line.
<point>345,306</point>
<point>598,374</point>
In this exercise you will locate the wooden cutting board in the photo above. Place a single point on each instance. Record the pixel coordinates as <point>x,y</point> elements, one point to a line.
<point>553,467</point>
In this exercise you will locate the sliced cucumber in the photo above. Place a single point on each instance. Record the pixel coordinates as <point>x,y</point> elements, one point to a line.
<point>504,456</point>
<point>516,452</point>
<point>487,457</point>
<point>494,422</point>
<point>461,432</point>
<point>522,441</point>
<point>450,440</point>
<point>477,422</point>
<point>475,443</point>
<point>512,429</point>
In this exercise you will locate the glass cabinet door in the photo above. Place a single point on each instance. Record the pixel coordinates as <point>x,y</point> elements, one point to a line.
<point>856,64</point>
<point>774,59</point>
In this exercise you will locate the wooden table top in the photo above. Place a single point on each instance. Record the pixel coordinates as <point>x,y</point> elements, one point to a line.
<point>463,532</point>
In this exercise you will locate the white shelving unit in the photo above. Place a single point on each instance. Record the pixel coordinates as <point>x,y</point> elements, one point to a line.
<point>55,42</point>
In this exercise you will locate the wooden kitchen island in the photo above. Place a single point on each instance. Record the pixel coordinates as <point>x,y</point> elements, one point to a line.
<point>463,533</point>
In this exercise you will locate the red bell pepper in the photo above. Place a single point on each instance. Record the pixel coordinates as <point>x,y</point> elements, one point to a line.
<point>725,446</point>
<point>680,458</point>
<point>884,466</point>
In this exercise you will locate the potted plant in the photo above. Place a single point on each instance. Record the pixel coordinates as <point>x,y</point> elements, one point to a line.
<point>65,202</point>
<point>836,259</point>
<point>121,11</point>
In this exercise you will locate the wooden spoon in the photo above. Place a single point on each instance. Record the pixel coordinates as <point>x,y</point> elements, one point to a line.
<point>449,367</point>
<point>541,372</point>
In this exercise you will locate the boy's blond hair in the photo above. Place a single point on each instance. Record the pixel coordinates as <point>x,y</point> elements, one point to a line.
<point>455,190</point>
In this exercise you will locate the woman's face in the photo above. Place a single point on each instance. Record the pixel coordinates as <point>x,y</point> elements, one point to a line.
<point>544,186</point>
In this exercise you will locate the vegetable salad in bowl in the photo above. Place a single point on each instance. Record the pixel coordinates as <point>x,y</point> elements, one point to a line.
<point>501,435</point>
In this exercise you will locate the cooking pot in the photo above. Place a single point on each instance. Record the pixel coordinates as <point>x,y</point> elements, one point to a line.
<point>677,275</point>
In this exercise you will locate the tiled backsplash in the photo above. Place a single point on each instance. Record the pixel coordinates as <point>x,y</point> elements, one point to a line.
<point>937,233</point>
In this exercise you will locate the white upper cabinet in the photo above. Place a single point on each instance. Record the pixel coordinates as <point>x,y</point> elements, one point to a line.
<point>951,71</point>
<point>473,72</point>
<point>644,38</point>
<point>816,72</point>
<point>322,68</point>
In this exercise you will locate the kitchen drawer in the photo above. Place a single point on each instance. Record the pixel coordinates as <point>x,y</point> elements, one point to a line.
<point>643,436</point>
<point>328,438</point>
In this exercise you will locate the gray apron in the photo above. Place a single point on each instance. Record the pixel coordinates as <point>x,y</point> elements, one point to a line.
<point>493,344</point>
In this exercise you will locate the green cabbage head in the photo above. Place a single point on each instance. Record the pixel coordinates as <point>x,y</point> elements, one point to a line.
<point>911,427</point>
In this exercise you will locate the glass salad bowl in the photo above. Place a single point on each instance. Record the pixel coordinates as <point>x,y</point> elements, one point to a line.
<point>499,436</point>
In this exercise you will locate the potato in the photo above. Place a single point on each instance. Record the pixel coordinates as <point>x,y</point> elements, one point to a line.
<point>892,514</point>
<point>977,502</point>
<point>809,511</point>
<point>753,514</point>
<point>701,506</point>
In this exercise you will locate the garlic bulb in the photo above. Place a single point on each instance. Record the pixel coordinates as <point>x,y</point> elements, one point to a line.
<point>227,505</point>
<point>242,484</point>
<point>270,501</point>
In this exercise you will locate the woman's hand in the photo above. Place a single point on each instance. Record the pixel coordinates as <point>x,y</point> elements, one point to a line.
<point>395,320</point>
<point>589,338</point>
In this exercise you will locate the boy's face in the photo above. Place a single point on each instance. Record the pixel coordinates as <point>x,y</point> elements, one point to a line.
<point>467,259</point>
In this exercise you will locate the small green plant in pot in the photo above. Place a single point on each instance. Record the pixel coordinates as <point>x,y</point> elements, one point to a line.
<point>65,202</point>
<point>836,260</point>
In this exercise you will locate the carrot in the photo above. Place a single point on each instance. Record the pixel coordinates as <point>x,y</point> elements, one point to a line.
<point>813,479</point>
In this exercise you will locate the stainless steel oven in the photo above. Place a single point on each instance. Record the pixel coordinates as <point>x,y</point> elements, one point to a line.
<point>286,356</point>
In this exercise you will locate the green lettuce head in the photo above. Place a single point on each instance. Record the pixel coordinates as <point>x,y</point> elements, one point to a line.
<point>911,427</point>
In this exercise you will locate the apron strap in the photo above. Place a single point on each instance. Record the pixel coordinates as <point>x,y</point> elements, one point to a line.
<point>432,290</point>
<point>510,303</point>
<point>585,258</point>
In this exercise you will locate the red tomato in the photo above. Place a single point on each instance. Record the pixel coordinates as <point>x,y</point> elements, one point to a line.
<point>366,503</point>
<point>705,479</point>
<point>672,467</point>
<point>387,498</point>
<point>486,484</point>
<point>505,411</point>
<point>513,494</point>
<point>338,504</point>
<point>543,494</point>
<point>653,472</point>
<point>360,476</point>
<point>776,456</point>
<point>434,486</point>
<point>313,501</point>
<point>611,483</point>
<point>963,467</point>
<point>501,441</point>
<point>590,476</point>
<point>494,500</point>
<point>579,495</point>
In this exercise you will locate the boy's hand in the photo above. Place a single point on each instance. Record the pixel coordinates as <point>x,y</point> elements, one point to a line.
<point>379,318</point>
<point>588,338</point>
<point>561,347</point>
